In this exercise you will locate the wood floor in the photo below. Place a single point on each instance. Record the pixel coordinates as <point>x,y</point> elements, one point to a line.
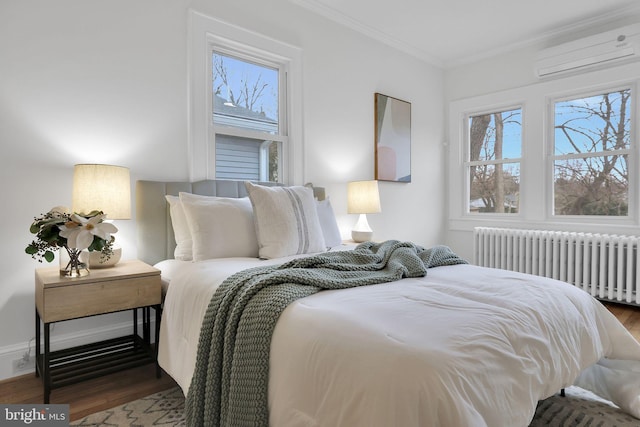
<point>89,396</point>
<point>629,316</point>
<point>116,389</point>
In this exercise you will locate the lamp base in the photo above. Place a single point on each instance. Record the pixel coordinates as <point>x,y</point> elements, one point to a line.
<point>361,236</point>
<point>95,261</point>
<point>361,231</point>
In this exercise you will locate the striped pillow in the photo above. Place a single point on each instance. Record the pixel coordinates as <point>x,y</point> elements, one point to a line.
<point>286,220</point>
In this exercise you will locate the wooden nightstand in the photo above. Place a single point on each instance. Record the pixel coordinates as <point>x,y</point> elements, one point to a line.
<point>129,285</point>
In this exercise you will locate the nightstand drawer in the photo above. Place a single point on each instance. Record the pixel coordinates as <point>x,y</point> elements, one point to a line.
<point>81,300</point>
<point>129,284</point>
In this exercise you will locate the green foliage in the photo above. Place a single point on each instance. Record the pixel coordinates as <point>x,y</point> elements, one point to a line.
<point>48,255</point>
<point>47,229</point>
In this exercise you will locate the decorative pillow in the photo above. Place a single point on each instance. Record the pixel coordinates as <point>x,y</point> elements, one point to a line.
<point>220,227</point>
<point>328,223</point>
<point>286,220</point>
<point>180,229</point>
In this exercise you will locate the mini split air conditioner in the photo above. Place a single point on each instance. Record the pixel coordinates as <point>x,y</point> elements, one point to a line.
<point>597,50</point>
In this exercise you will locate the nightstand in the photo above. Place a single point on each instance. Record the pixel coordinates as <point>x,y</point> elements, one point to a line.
<point>129,285</point>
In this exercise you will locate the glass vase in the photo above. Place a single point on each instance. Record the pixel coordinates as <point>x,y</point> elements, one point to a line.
<point>73,262</point>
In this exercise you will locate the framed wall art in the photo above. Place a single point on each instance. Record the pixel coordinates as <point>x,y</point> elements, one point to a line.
<point>392,139</point>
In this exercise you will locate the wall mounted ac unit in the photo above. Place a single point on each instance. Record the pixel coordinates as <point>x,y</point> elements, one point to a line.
<point>597,50</point>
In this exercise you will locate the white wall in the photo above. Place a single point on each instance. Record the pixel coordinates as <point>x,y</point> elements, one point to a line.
<point>106,82</point>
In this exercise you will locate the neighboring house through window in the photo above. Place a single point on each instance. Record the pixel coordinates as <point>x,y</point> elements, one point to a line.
<point>247,98</point>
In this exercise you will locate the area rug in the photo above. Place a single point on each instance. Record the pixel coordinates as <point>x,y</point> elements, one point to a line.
<point>577,409</point>
<point>580,408</point>
<point>165,408</point>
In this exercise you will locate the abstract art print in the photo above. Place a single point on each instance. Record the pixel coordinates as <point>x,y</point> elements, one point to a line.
<point>392,139</point>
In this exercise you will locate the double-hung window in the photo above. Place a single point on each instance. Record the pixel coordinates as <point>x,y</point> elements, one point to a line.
<point>592,147</point>
<point>245,104</point>
<point>248,123</point>
<point>493,165</point>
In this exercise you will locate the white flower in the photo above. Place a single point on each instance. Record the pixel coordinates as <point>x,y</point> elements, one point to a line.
<point>79,231</point>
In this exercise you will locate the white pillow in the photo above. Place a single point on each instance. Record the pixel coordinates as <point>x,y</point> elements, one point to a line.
<point>220,227</point>
<point>328,223</point>
<point>180,229</point>
<point>286,220</point>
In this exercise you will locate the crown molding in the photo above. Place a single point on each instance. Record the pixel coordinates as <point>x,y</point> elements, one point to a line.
<point>332,14</point>
<point>369,31</point>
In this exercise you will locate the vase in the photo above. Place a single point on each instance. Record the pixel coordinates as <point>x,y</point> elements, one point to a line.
<point>73,262</point>
<point>97,260</point>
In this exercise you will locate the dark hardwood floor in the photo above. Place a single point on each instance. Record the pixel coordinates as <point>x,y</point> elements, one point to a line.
<point>90,396</point>
<point>116,389</point>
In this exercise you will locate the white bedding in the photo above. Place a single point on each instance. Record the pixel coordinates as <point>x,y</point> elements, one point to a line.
<point>463,346</point>
<point>168,268</point>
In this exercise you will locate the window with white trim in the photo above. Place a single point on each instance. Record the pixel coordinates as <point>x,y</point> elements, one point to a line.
<point>591,153</point>
<point>579,163</point>
<point>493,163</point>
<point>261,123</point>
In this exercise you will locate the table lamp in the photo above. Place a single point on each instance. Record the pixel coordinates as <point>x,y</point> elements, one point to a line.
<point>104,188</point>
<point>362,198</point>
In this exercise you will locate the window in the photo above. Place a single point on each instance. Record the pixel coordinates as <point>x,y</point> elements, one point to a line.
<point>245,104</point>
<point>493,168</point>
<point>577,167</point>
<point>247,126</point>
<point>592,142</point>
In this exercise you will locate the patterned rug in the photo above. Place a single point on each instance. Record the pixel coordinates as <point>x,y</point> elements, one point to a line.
<point>579,408</point>
<point>164,408</point>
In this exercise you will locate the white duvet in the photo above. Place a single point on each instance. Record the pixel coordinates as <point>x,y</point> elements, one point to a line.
<point>463,346</point>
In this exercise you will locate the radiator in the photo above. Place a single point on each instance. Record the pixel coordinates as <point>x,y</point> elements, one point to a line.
<point>604,265</point>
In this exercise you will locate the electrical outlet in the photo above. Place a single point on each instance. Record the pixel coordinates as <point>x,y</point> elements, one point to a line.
<point>24,364</point>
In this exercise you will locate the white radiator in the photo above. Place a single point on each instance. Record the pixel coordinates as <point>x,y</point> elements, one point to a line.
<point>602,264</point>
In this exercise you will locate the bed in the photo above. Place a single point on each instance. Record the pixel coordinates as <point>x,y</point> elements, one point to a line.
<point>460,346</point>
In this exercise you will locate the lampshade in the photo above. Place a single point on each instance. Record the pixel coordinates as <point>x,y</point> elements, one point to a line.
<point>363,197</point>
<point>102,187</point>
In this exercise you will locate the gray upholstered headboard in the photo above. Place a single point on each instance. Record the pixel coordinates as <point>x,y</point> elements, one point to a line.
<point>155,238</point>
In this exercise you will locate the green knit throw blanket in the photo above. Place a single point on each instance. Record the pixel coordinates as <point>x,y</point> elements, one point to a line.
<point>230,382</point>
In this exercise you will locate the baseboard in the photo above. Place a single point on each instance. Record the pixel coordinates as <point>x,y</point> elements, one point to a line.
<point>16,351</point>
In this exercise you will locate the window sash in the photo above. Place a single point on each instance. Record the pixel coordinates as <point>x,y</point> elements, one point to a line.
<point>280,136</point>
<point>506,161</point>
<point>619,152</point>
<point>629,152</point>
<point>492,162</point>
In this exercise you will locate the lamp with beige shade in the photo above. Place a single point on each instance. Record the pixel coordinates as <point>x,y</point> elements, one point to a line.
<point>105,188</point>
<point>362,198</point>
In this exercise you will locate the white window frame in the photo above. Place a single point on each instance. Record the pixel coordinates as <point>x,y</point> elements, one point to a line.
<point>630,152</point>
<point>266,59</point>
<point>538,121</point>
<point>468,162</point>
<point>207,33</point>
